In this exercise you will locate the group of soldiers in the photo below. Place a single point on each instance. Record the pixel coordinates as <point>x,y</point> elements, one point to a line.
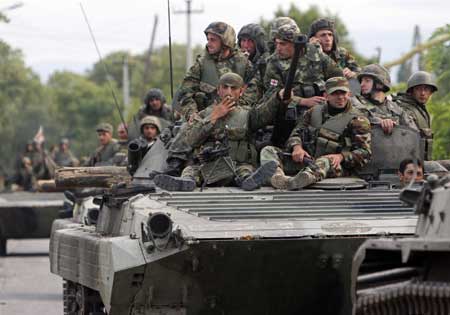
<point>237,126</point>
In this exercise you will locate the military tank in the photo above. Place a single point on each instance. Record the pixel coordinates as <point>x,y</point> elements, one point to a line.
<point>28,215</point>
<point>408,275</point>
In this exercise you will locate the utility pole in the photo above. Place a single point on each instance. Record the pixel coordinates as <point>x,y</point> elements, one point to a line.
<point>125,85</point>
<point>148,57</point>
<point>188,13</point>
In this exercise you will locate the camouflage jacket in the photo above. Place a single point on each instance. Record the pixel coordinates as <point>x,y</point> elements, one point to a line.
<point>344,59</point>
<point>259,63</point>
<point>65,158</point>
<point>417,111</point>
<point>199,87</point>
<point>104,155</point>
<point>314,68</point>
<point>354,143</point>
<point>387,110</point>
<point>236,129</point>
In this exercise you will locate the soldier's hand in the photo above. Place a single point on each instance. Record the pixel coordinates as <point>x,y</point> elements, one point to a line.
<point>311,101</point>
<point>281,95</point>
<point>348,73</point>
<point>336,159</point>
<point>298,154</point>
<point>222,109</point>
<point>387,125</point>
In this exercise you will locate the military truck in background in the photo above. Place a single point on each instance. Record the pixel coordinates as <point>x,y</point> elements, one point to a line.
<point>408,275</point>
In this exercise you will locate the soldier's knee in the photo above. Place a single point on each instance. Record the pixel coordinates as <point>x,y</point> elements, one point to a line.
<point>270,153</point>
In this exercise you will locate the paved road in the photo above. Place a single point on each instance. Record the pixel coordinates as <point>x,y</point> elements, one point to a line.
<point>26,284</point>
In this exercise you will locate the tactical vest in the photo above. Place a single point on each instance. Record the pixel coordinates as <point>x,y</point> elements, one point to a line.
<point>211,73</point>
<point>329,135</point>
<point>242,149</point>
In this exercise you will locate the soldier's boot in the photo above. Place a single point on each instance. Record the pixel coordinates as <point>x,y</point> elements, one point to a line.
<point>260,176</point>
<point>279,180</point>
<point>302,179</point>
<point>172,183</point>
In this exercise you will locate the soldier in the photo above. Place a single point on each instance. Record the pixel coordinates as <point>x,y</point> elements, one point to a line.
<point>410,170</point>
<point>123,137</point>
<point>221,138</point>
<point>374,104</point>
<point>420,87</point>
<point>314,67</point>
<point>105,153</point>
<point>199,87</point>
<point>150,129</point>
<point>251,41</point>
<point>323,32</point>
<point>63,156</point>
<point>335,134</point>
<point>154,105</point>
<point>274,26</point>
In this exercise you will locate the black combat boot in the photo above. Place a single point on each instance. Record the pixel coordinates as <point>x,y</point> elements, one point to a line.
<point>172,183</point>
<point>260,176</point>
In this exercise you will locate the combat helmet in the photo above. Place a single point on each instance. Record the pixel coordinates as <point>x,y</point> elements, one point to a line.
<point>150,120</point>
<point>278,22</point>
<point>324,24</point>
<point>287,32</point>
<point>256,33</point>
<point>379,73</point>
<point>421,78</point>
<point>154,93</point>
<point>224,31</point>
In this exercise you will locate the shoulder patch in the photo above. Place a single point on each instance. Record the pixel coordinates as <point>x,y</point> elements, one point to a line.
<point>273,82</point>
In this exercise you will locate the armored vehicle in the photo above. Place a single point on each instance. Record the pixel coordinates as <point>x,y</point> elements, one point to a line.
<point>27,215</point>
<point>409,275</point>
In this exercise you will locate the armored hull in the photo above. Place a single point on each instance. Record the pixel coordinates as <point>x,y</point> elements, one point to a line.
<point>27,215</point>
<point>223,251</point>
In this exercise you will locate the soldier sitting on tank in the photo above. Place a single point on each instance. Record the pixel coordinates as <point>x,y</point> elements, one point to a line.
<point>332,140</point>
<point>63,156</point>
<point>313,68</point>
<point>323,32</point>
<point>24,178</point>
<point>221,137</point>
<point>154,105</point>
<point>420,87</point>
<point>105,153</point>
<point>199,87</point>
<point>374,104</point>
<point>410,171</point>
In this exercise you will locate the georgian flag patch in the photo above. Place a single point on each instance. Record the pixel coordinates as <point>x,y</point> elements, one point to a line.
<point>273,82</point>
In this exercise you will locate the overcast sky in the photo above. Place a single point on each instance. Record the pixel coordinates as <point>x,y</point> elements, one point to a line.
<point>53,35</point>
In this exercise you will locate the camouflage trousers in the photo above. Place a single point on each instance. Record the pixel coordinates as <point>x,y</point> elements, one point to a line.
<point>321,168</point>
<point>241,170</point>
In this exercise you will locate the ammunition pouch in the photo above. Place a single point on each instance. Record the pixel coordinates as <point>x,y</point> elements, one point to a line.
<point>220,169</point>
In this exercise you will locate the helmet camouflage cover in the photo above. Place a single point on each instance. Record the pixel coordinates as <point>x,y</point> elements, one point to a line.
<point>224,31</point>
<point>256,33</point>
<point>421,78</point>
<point>150,120</point>
<point>278,22</point>
<point>287,32</point>
<point>378,73</point>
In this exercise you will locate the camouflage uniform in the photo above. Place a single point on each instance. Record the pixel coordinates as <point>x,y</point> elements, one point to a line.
<point>165,113</point>
<point>388,109</point>
<point>104,154</point>
<point>199,87</point>
<point>274,26</point>
<point>332,131</point>
<point>417,111</point>
<point>339,54</point>
<point>314,67</point>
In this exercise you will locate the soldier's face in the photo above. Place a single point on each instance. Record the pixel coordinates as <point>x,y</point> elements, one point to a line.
<point>325,39</point>
<point>408,174</point>
<point>64,147</point>
<point>230,91</point>
<point>422,93</point>
<point>122,134</point>
<point>150,132</point>
<point>248,46</point>
<point>214,44</point>
<point>284,49</point>
<point>155,104</point>
<point>366,85</point>
<point>104,137</point>
<point>338,99</point>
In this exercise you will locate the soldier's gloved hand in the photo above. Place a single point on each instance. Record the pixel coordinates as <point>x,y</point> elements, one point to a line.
<point>311,101</point>
<point>387,125</point>
<point>298,154</point>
